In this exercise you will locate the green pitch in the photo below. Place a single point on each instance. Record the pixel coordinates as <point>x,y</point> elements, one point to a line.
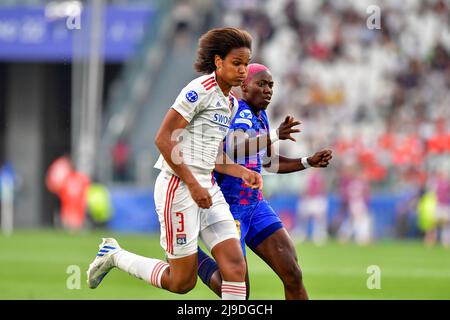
<point>37,265</point>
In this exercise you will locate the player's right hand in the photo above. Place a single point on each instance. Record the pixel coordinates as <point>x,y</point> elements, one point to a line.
<point>286,128</point>
<point>321,159</point>
<point>252,179</point>
<point>201,196</point>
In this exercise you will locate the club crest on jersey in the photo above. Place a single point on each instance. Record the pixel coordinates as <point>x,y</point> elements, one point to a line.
<point>181,238</point>
<point>192,96</point>
<point>246,114</point>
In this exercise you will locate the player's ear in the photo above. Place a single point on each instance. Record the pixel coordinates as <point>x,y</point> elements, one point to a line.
<point>244,88</point>
<point>218,61</point>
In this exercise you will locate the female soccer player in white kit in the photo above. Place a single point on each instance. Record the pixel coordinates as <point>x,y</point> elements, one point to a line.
<point>188,201</point>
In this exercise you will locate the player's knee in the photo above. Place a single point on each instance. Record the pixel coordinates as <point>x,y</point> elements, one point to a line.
<point>292,276</point>
<point>185,286</point>
<point>236,270</point>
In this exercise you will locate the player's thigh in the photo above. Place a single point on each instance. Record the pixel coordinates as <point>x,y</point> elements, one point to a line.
<point>217,224</point>
<point>178,215</point>
<point>222,240</point>
<point>269,239</point>
<point>220,235</point>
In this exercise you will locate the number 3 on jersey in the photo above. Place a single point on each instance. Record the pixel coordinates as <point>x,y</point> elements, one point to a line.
<point>180,215</point>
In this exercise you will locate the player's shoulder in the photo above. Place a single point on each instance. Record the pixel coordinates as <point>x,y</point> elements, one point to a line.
<point>202,85</point>
<point>198,89</point>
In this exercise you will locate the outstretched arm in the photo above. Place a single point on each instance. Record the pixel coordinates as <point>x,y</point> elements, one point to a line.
<point>280,164</point>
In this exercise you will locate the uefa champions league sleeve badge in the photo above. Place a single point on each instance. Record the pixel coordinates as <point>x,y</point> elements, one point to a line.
<point>192,96</point>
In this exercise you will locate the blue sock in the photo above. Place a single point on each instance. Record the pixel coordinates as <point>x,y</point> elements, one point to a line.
<point>206,267</point>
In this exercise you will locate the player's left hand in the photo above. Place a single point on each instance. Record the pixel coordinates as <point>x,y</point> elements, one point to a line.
<point>321,159</point>
<point>252,179</point>
<point>286,128</point>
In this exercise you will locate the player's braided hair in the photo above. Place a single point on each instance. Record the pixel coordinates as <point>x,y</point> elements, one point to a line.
<point>219,41</point>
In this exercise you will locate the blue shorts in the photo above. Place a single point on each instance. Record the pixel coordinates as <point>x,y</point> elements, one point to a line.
<point>255,222</point>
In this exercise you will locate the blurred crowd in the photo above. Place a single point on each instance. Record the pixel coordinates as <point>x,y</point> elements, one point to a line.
<point>378,97</point>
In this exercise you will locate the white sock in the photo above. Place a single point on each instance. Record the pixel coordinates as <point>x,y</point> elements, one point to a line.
<point>147,269</point>
<point>233,290</point>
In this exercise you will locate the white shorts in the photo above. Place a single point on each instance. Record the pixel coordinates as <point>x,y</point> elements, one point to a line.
<point>182,221</point>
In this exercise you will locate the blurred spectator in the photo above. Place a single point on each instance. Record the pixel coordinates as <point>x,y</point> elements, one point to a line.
<point>74,200</point>
<point>358,224</point>
<point>313,205</point>
<point>99,205</point>
<point>343,210</point>
<point>121,155</point>
<point>406,214</point>
<point>10,183</point>
<point>441,188</point>
<point>71,187</point>
<point>7,171</point>
<point>426,211</point>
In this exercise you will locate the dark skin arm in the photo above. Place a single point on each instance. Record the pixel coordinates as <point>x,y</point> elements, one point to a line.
<point>168,146</point>
<point>243,145</point>
<point>226,166</point>
<point>280,164</point>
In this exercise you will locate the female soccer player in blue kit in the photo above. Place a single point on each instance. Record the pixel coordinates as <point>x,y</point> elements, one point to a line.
<point>259,226</point>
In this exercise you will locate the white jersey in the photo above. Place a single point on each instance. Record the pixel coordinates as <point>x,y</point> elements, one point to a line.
<point>209,113</point>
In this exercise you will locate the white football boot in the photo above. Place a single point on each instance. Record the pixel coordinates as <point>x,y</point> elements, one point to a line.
<point>103,262</point>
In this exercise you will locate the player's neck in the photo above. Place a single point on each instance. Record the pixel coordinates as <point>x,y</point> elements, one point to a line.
<point>255,110</point>
<point>226,88</point>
